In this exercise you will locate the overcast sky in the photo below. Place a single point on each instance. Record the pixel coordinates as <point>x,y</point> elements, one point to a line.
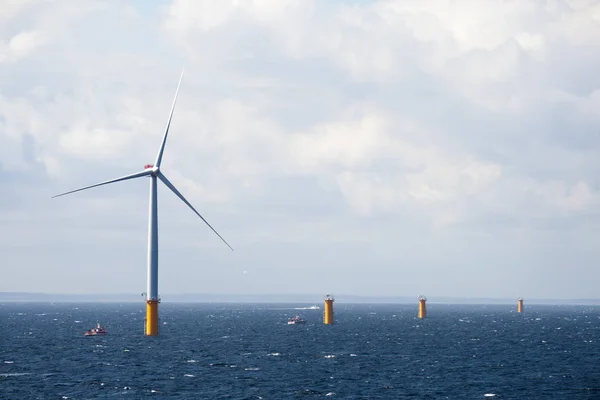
<point>445,148</point>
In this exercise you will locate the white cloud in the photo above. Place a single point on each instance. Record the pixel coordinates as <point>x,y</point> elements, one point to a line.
<point>97,144</point>
<point>346,145</point>
<point>20,45</point>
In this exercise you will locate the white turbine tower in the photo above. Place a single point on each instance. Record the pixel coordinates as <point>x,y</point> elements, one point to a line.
<point>154,172</point>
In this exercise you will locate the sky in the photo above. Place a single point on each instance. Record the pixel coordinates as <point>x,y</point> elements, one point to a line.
<point>384,147</point>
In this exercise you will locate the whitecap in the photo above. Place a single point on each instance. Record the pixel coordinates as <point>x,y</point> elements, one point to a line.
<point>9,362</point>
<point>330,394</point>
<point>330,356</point>
<point>192,361</point>
<point>489,395</point>
<point>189,375</point>
<point>274,354</point>
<point>352,355</point>
<point>251,369</point>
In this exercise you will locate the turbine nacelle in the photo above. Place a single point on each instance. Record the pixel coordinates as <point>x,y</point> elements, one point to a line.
<point>152,169</point>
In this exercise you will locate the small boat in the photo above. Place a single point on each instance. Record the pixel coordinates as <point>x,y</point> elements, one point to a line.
<point>97,331</point>
<point>296,320</point>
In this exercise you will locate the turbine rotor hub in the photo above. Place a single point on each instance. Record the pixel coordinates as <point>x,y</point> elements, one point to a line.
<point>151,167</point>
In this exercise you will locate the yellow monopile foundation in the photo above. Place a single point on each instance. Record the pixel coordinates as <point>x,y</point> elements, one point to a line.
<point>151,318</point>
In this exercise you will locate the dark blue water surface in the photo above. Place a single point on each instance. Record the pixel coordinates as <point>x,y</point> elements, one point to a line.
<point>247,351</point>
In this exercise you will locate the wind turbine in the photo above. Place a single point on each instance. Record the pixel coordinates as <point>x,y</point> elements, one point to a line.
<point>154,172</point>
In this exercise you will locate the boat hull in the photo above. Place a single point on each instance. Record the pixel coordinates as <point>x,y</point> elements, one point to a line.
<point>99,330</point>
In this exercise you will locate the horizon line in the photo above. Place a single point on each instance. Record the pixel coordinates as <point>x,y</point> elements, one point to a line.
<point>280,298</point>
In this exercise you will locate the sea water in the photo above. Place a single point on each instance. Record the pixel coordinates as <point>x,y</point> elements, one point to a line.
<point>248,351</point>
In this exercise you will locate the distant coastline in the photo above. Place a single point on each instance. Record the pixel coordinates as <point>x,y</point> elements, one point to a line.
<point>273,298</point>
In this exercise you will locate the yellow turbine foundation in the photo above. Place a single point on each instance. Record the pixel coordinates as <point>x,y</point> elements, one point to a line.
<point>151,328</point>
<point>422,308</point>
<point>520,306</point>
<point>328,310</point>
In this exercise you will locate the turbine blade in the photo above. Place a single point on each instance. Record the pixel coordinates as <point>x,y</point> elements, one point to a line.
<point>124,178</point>
<point>164,140</point>
<point>164,179</point>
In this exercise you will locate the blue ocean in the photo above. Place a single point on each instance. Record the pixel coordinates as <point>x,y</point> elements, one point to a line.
<point>248,351</point>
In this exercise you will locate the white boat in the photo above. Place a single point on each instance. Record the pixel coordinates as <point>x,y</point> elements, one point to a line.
<point>97,331</point>
<point>296,320</point>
